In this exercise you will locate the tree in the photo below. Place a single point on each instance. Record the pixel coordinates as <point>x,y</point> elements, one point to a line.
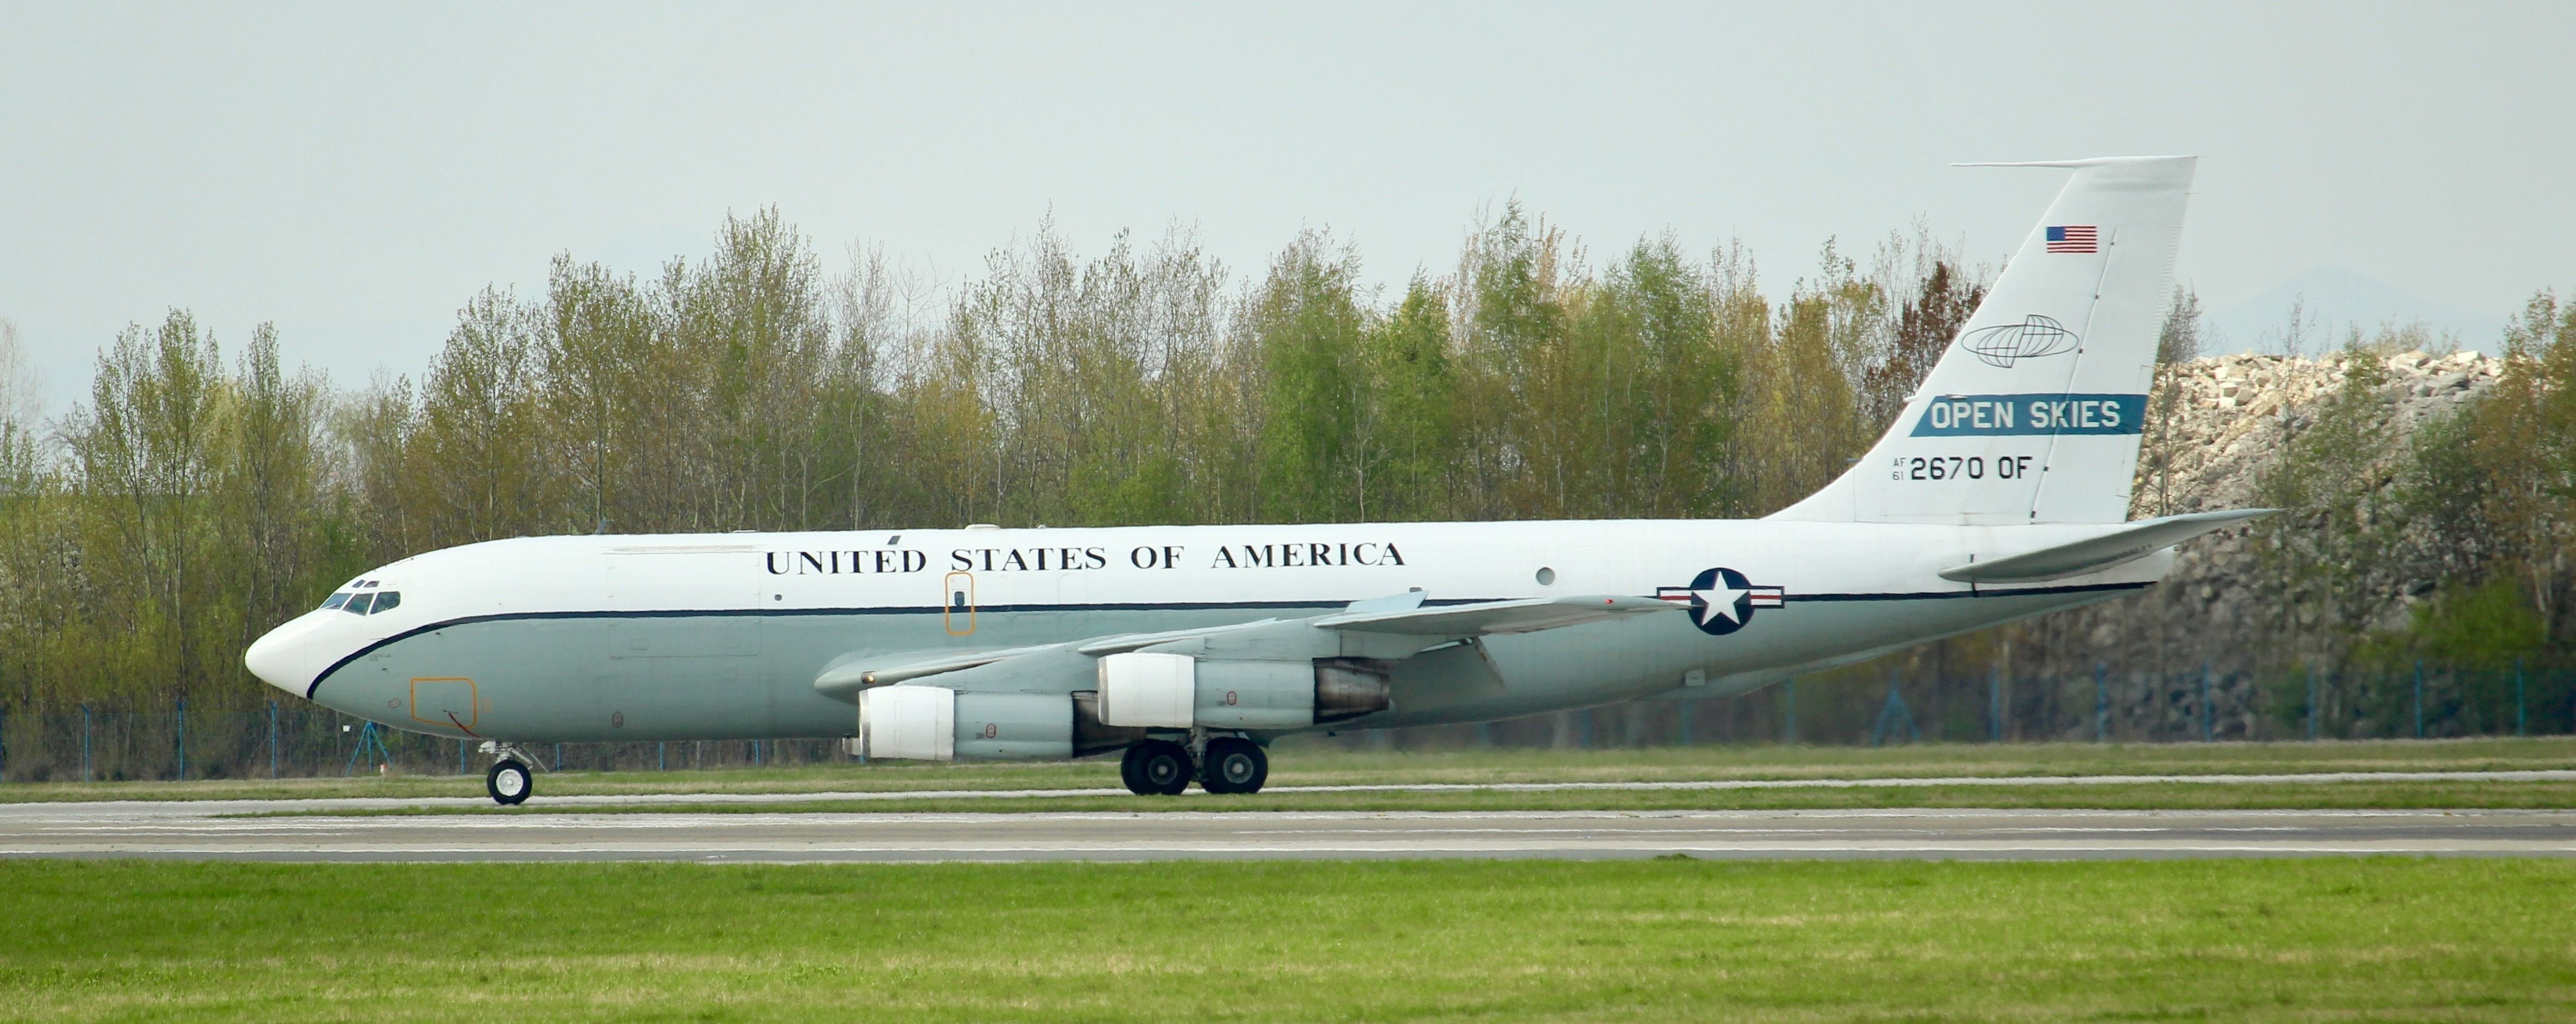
<point>1309,328</point>
<point>148,450</point>
<point>2177,343</point>
<point>1409,417</point>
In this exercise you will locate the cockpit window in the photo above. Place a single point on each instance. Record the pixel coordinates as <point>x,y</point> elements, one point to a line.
<point>359,602</point>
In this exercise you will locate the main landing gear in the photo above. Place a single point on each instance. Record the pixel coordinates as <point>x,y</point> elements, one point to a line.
<point>510,781</point>
<point>1230,764</point>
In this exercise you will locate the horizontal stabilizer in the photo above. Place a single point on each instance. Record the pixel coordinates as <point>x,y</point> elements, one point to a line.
<point>2138,540</point>
<point>1526,615</point>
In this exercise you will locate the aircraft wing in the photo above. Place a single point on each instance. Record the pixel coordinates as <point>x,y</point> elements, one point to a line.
<point>1401,616</point>
<point>844,681</point>
<point>1525,615</point>
<point>2139,540</point>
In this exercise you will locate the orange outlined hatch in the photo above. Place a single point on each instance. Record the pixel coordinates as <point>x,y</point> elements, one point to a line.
<point>444,700</point>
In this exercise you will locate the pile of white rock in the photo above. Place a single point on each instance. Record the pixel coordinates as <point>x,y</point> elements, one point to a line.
<point>2230,412</point>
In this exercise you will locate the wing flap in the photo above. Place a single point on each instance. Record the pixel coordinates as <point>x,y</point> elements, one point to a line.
<point>844,681</point>
<point>1525,615</point>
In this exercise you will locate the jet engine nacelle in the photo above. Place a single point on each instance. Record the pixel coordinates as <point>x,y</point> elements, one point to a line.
<point>933,723</point>
<point>1177,691</point>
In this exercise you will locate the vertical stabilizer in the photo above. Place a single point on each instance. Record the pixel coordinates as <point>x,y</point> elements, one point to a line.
<point>2034,413</point>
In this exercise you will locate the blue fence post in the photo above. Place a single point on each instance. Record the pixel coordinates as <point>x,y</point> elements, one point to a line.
<point>4,743</point>
<point>272,739</point>
<point>183,739</point>
<point>661,756</point>
<point>1894,718</point>
<point>2419,698</point>
<point>1789,696</point>
<point>558,757</point>
<point>84,742</point>
<point>2101,703</point>
<point>2310,671</point>
<point>2518,722</point>
<point>460,758</point>
<point>1994,704</point>
<point>2205,724</point>
<point>1689,707</point>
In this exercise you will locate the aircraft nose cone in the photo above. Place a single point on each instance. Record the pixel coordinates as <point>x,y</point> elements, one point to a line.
<point>278,659</point>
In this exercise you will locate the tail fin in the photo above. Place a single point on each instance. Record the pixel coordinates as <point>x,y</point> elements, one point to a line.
<point>2034,413</point>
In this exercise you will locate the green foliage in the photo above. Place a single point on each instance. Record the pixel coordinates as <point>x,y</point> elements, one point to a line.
<point>2335,531</point>
<point>1308,327</point>
<point>2489,626</point>
<point>2466,517</point>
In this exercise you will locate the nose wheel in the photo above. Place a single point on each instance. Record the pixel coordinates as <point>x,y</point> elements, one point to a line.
<point>510,781</point>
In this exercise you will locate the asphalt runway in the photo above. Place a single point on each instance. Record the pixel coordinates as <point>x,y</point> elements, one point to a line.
<point>197,831</point>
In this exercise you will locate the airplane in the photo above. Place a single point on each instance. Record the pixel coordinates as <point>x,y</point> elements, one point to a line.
<point>2001,492</point>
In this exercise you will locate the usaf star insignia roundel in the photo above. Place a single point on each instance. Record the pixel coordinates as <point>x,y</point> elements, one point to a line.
<point>1721,600</point>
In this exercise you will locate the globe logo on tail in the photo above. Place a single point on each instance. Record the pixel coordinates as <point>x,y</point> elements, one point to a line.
<point>1721,600</point>
<point>2003,345</point>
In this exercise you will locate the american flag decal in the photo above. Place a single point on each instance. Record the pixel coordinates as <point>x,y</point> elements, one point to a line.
<point>1766,597</point>
<point>2071,238</point>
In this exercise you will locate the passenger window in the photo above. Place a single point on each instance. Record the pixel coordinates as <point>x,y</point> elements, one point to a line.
<point>335,600</point>
<point>386,600</point>
<point>358,605</point>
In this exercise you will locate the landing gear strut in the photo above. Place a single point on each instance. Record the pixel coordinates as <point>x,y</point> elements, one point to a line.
<point>509,782</point>
<point>1156,768</point>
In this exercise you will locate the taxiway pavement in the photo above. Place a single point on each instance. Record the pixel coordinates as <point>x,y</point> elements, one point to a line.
<point>198,830</point>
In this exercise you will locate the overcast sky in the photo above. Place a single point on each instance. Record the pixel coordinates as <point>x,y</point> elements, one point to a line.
<point>354,172</point>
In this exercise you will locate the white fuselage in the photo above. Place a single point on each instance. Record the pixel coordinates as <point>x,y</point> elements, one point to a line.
<point>722,636</point>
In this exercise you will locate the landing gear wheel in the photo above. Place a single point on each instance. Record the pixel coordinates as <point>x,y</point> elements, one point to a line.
<point>1128,773</point>
<point>1235,765</point>
<point>1160,768</point>
<point>509,782</point>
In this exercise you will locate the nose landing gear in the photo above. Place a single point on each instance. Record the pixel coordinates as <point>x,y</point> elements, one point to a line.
<point>510,781</point>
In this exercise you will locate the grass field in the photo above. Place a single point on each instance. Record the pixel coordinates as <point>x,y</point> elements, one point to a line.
<point>2300,940</point>
<point>1296,763</point>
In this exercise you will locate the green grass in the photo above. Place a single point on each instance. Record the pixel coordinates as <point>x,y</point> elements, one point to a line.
<point>1302,762</point>
<point>2331,939</point>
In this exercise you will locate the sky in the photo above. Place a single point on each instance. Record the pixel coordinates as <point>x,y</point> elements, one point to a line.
<point>354,173</point>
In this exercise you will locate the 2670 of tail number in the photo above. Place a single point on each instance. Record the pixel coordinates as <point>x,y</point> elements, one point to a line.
<point>1953,467</point>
